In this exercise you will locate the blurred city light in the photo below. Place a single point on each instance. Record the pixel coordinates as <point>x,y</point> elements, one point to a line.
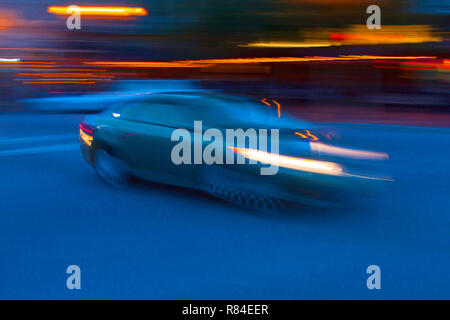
<point>100,11</point>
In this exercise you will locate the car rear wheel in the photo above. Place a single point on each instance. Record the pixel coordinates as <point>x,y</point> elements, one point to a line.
<point>219,182</point>
<point>111,169</point>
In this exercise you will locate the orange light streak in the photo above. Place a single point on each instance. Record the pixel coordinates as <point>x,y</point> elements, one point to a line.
<point>278,108</point>
<point>100,11</point>
<point>265,102</point>
<point>209,62</point>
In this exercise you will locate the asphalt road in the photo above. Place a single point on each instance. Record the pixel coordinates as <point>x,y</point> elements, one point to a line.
<point>155,242</point>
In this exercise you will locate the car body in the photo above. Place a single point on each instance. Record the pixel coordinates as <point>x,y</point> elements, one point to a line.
<point>136,140</point>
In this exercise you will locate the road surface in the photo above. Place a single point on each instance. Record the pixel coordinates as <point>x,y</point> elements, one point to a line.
<point>156,242</point>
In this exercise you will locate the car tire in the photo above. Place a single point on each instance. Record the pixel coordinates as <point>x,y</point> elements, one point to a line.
<point>111,169</point>
<point>219,183</point>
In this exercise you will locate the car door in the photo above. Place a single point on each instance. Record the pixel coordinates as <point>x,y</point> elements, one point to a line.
<point>147,145</point>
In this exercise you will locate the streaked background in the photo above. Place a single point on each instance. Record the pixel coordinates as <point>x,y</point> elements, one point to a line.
<point>384,90</point>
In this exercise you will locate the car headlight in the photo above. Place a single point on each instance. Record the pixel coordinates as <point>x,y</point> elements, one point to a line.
<point>295,163</point>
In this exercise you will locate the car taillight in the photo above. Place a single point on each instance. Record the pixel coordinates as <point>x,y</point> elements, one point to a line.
<point>86,133</point>
<point>87,128</point>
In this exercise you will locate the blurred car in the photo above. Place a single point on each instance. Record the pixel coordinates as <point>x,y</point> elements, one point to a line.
<point>123,91</point>
<point>133,140</point>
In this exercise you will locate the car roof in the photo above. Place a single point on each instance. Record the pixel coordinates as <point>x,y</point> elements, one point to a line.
<point>186,97</point>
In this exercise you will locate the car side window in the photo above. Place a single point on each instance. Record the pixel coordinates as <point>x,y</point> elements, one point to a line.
<point>159,112</point>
